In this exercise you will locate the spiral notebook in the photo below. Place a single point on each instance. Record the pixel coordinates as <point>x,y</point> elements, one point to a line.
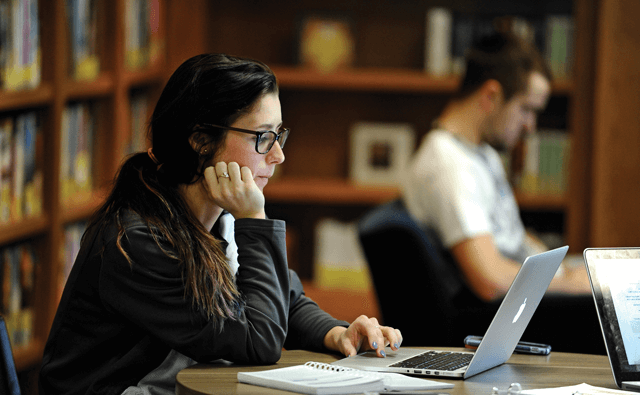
<point>322,378</point>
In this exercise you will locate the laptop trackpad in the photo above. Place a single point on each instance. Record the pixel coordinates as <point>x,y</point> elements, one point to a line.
<point>369,360</point>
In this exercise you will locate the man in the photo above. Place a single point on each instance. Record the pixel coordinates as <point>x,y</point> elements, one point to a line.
<point>457,184</point>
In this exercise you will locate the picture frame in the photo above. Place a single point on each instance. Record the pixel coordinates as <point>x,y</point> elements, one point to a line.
<point>380,152</point>
<point>325,42</point>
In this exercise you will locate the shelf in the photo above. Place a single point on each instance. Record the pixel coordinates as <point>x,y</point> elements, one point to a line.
<point>29,227</point>
<point>143,77</point>
<point>378,80</point>
<point>529,201</point>
<point>82,206</point>
<point>326,191</point>
<point>338,191</point>
<point>366,80</point>
<point>29,356</point>
<point>10,100</point>
<point>101,86</point>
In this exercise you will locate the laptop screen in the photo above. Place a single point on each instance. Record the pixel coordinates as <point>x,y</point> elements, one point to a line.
<point>614,274</point>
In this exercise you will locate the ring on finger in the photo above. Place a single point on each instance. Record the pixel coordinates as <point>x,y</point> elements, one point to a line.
<point>224,175</point>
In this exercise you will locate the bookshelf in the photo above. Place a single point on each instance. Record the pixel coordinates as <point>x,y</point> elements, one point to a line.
<point>107,88</point>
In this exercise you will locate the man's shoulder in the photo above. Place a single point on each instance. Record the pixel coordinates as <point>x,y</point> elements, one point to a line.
<point>442,149</point>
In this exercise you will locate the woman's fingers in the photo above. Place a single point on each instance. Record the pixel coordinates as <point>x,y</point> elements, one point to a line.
<point>233,189</point>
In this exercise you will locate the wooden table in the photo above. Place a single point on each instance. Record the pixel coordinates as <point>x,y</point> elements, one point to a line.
<point>531,371</point>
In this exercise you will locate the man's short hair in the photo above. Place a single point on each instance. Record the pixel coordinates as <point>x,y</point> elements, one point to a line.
<point>503,57</point>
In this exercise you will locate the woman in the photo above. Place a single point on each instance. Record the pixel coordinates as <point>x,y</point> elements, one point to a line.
<point>180,265</point>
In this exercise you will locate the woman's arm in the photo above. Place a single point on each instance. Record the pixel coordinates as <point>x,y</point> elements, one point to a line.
<point>313,329</point>
<point>150,294</point>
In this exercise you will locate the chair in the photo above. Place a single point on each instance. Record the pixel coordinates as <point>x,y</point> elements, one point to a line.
<point>8,376</point>
<point>421,292</point>
<point>419,288</point>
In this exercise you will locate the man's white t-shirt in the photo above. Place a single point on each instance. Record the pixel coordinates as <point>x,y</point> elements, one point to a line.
<point>460,190</point>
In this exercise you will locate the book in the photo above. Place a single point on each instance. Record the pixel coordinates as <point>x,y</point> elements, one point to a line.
<point>139,110</point>
<point>6,173</point>
<point>72,238</point>
<point>559,45</point>
<point>83,16</point>
<point>339,261</point>
<point>438,44</point>
<point>322,378</point>
<point>545,162</point>
<point>20,44</point>
<point>17,278</point>
<point>76,162</point>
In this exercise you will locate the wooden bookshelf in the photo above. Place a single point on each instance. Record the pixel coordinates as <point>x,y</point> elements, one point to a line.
<point>110,90</point>
<point>40,96</point>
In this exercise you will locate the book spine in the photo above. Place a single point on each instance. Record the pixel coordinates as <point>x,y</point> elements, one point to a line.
<point>17,276</point>
<point>139,106</point>
<point>18,169</point>
<point>72,237</point>
<point>6,173</point>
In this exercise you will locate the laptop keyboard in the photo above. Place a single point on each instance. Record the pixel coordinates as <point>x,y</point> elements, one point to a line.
<point>436,361</point>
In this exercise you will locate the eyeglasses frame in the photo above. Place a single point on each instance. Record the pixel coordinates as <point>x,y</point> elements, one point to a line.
<point>255,133</point>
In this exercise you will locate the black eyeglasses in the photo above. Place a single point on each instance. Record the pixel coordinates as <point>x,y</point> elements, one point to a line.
<point>264,140</point>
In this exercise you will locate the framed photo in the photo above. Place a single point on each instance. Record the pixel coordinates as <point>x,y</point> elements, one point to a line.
<point>326,43</point>
<point>380,152</point>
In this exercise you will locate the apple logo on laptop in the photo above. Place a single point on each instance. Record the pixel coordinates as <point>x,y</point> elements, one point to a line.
<point>522,306</point>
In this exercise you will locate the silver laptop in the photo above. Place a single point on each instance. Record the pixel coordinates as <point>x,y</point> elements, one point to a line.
<point>498,343</point>
<point>614,274</point>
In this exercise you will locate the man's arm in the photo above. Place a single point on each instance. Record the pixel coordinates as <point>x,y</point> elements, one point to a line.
<point>489,274</point>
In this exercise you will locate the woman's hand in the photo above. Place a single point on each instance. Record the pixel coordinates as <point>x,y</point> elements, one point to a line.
<point>363,334</point>
<point>233,189</point>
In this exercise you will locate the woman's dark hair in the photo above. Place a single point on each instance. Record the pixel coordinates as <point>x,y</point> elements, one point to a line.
<point>505,58</point>
<point>210,88</point>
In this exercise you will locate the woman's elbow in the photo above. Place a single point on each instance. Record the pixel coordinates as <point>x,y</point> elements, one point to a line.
<point>268,356</point>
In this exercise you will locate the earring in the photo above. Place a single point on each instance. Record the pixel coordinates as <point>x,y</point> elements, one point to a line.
<point>205,151</point>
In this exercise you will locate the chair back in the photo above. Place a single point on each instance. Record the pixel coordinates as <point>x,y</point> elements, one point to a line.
<point>8,376</point>
<point>415,277</point>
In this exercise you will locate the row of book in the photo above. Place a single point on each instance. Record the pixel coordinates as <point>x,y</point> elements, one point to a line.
<point>545,163</point>
<point>22,153</point>
<point>339,261</point>
<point>72,237</point>
<point>20,57</point>
<point>83,35</point>
<point>143,40</point>
<point>18,271</point>
<point>139,107</point>
<point>20,49</point>
<point>77,150</point>
<point>450,35</point>
<point>21,178</point>
<point>142,36</point>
